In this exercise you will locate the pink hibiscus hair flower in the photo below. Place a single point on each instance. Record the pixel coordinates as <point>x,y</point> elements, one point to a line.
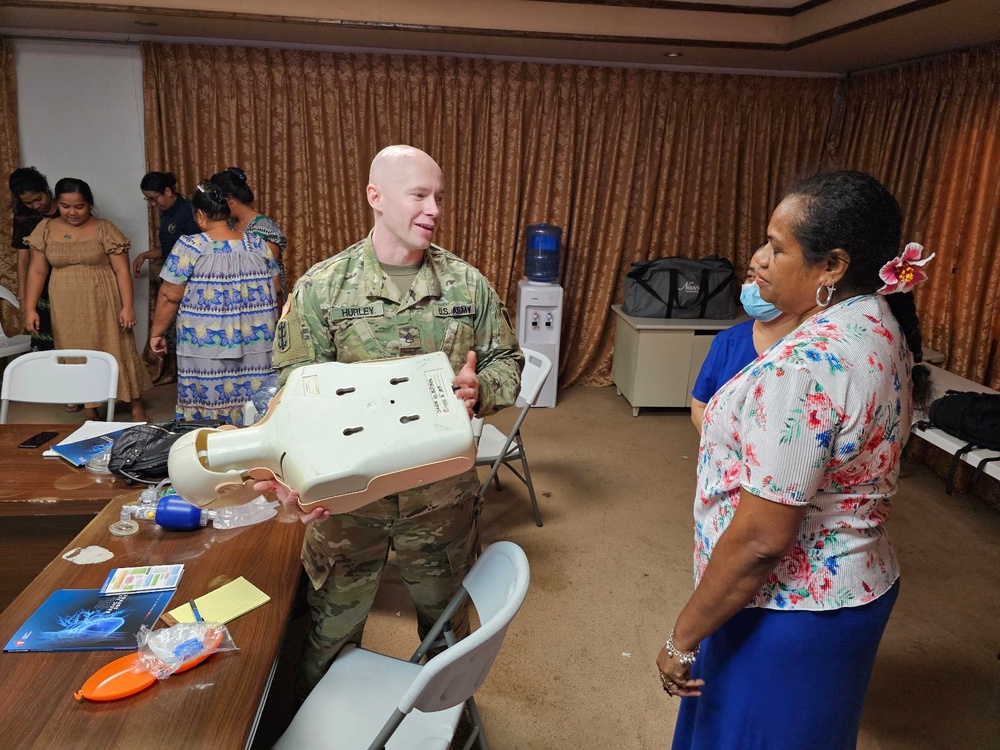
<point>903,273</point>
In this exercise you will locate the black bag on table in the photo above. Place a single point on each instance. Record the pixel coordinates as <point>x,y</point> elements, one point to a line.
<point>140,453</point>
<point>681,288</point>
<point>972,417</point>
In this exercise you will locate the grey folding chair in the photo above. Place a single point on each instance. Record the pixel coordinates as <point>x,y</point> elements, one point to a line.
<point>46,378</point>
<point>496,449</point>
<point>369,700</point>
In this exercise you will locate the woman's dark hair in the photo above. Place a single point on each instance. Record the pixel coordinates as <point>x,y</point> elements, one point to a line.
<point>158,182</point>
<point>211,200</point>
<point>73,185</point>
<point>233,182</point>
<point>27,180</point>
<point>856,213</point>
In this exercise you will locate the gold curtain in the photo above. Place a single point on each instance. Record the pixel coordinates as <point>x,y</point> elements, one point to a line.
<point>931,132</point>
<point>632,164</point>
<point>9,159</point>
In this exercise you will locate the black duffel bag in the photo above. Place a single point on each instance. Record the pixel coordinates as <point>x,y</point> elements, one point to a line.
<point>140,453</point>
<point>973,418</point>
<point>681,288</point>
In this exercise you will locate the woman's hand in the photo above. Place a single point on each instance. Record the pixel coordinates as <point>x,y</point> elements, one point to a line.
<point>158,344</point>
<point>126,318</point>
<point>137,263</point>
<point>290,500</point>
<point>675,677</point>
<point>31,321</point>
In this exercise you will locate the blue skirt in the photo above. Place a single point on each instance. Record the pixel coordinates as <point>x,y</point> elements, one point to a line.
<point>784,680</point>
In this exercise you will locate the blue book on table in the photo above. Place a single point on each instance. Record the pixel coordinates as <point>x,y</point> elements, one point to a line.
<point>81,451</point>
<point>83,620</point>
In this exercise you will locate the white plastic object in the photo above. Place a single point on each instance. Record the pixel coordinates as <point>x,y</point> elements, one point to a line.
<point>342,435</point>
<point>257,510</point>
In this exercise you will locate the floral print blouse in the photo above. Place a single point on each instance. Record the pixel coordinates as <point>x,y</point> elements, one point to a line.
<point>818,420</point>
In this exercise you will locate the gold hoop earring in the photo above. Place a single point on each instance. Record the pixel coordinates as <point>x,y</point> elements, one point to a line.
<point>829,295</point>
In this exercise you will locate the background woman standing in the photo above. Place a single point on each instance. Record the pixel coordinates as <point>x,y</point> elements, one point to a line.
<point>245,218</point>
<point>223,283</point>
<point>33,202</point>
<point>90,288</point>
<point>159,189</point>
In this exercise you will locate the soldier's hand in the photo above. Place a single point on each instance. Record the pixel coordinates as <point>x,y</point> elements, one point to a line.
<point>290,500</point>
<point>466,384</point>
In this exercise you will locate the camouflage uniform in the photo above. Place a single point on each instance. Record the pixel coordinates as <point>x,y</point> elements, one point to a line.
<point>344,310</point>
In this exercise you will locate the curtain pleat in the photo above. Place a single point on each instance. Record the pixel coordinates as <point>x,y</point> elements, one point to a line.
<point>929,131</point>
<point>632,164</point>
<point>9,161</point>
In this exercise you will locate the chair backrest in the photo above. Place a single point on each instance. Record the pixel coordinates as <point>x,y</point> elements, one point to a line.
<point>17,344</point>
<point>42,377</point>
<point>497,585</point>
<point>533,376</point>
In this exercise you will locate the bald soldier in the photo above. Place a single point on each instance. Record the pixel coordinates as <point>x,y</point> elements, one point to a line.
<point>394,294</point>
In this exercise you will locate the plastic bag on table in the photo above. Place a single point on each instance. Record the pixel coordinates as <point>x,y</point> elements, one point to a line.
<point>162,652</point>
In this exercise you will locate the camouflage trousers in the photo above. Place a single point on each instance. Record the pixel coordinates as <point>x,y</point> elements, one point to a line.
<point>432,530</point>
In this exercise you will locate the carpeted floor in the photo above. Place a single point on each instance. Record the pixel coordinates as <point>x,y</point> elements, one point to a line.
<point>612,566</point>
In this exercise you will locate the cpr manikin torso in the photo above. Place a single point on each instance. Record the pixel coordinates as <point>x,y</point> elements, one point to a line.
<point>342,435</point>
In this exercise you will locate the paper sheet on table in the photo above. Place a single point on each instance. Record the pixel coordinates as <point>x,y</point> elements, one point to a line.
<point>90,429</point>
<point>222,605</point>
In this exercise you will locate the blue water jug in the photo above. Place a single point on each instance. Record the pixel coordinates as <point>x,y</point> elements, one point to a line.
<point>542,253</point>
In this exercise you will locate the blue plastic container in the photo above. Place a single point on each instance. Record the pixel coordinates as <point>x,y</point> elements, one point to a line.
<point>543,253</point>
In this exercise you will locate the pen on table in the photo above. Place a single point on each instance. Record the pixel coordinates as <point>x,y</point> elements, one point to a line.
<point>194,609</point>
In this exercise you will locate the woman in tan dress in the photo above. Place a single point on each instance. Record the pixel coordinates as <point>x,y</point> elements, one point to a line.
<point>90,287</point>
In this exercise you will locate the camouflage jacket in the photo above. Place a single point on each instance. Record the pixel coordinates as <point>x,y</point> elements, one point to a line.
<point>345,309</point>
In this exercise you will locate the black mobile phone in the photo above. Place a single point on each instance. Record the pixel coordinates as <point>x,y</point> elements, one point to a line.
<point>36,441</point>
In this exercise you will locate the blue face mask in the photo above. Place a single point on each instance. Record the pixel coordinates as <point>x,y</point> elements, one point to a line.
<point>755,306</point>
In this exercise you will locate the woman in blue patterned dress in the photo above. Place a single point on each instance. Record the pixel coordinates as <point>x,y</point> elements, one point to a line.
<point>222,285</point>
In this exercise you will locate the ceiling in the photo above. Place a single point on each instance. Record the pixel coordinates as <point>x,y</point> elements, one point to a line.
<point>819,37</point>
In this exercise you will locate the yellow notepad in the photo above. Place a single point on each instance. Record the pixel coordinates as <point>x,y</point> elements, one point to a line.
<point>222,605</point>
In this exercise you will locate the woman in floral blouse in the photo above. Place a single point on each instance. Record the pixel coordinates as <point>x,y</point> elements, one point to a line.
<point>794,571</point>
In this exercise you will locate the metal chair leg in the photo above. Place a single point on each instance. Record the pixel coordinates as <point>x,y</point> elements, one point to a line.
<point>531,487</point>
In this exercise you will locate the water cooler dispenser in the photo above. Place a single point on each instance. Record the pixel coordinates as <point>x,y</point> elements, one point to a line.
<point>540,300</point>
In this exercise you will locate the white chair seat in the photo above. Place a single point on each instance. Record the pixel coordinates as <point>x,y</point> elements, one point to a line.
<point>357,695</point>
<point>491,442</point>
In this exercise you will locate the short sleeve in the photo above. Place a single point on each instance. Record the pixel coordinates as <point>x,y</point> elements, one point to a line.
<point>257,244</point>
<point>788,424</point>
<point>179,264</point>
<point>268,230</point>
<point>113,241</point>
<point>707,382</point>
<point>39,236</point>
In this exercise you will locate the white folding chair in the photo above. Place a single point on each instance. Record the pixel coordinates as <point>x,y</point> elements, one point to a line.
<point>12,345</point>
<point>42,378</point>
<point>495,448</point>
<point>376,701</point>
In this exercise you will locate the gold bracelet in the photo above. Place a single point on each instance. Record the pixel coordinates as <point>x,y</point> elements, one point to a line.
<point>687,658</point>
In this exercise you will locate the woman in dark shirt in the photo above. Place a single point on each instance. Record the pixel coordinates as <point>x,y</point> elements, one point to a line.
<point>33,202</point>
<point>176,219</point>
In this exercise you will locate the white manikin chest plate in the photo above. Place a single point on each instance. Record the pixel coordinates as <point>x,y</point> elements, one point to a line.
<point>341,435</point>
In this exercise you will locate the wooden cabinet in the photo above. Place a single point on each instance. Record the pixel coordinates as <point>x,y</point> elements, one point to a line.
<point>656,361</point>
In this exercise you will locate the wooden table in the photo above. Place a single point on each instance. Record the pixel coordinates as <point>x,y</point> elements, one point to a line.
<point>44,503</point>
<point>32,485</point>
<point>216,705</point>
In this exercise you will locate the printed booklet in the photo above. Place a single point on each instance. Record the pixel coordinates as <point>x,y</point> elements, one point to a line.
<point>83,620</point>
<point>81,451</point>
<point>142,578</point>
